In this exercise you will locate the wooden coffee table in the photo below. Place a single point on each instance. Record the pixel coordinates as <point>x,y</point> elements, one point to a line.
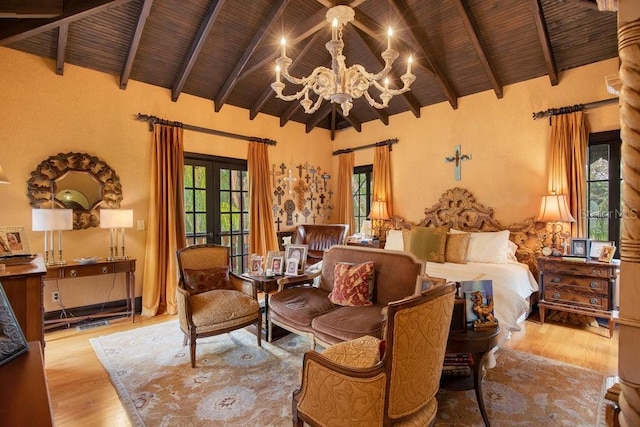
<point>478,343</point>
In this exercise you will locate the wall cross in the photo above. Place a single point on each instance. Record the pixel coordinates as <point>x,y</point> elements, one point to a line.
<point>458,157</point>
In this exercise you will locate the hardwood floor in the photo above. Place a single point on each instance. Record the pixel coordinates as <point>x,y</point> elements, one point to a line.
<point>82,394</point>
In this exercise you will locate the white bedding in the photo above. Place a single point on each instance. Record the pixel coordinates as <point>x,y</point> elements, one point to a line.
<point>512,284</point>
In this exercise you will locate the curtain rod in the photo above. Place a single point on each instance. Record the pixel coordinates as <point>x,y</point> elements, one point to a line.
<point>153,120</point>
<point>388,142</point>
<point>570,109</point>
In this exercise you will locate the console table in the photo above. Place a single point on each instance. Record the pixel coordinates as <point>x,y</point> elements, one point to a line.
<point>75,270</point>
<point>23,285</point>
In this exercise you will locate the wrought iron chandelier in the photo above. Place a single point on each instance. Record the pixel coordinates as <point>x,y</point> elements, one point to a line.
<point>340,84</point>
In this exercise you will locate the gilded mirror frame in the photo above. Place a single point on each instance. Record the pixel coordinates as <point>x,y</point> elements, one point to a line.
<point>43,184</point>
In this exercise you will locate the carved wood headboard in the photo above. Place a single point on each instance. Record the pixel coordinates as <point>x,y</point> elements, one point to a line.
<point>458,208</point>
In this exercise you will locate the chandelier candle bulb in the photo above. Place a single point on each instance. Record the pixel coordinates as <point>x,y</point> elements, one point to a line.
<point>283,43</point>
<point>389,34</point>
<point>409,61</point>
<point>334,29</point>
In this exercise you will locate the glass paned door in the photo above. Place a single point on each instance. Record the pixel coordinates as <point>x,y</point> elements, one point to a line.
<point>217,204</point>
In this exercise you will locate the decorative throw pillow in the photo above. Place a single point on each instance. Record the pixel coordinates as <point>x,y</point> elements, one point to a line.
<point>488,246</point>
<point>394,240</point>
<point>352,284</point>
<point>428,243</point>
<point>207,279</point>
<point>456,249</point>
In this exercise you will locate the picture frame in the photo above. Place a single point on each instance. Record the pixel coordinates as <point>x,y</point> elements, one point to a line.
<point>292,267</point>
<point>606,253</point>
<point>298,252</point>
<point>579,247</point>
<point>14,241</point>
<point>12,340</point>
<point>595,247</point>
<point>269,262</point>
<point>255,264</point>
<point>277,264</point>
<point>468,288</point>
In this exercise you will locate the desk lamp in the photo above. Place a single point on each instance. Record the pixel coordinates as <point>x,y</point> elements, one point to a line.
<point>378,214</point>
<point>116,220</point>
<point>50,220</point>
<point>554,210</point>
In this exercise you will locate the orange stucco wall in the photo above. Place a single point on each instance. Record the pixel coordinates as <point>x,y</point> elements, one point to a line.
<point>42,114</point>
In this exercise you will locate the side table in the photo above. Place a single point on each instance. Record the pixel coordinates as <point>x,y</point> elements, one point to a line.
<point>265,285</point>
<point>478,343</point>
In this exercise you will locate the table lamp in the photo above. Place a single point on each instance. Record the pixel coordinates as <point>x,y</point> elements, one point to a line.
<point>554,210</point>
<point>116,220</point>
<point>49,221</point>
<point>378,215</point>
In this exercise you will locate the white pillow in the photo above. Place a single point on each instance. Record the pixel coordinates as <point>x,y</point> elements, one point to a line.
<point>488,246</point>
<point>511,251</point>
<point>394,240</point>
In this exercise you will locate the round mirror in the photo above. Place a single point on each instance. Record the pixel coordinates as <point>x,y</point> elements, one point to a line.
<point>75,181</point>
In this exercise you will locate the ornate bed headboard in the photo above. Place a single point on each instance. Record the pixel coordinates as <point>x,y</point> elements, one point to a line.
<point>458,208</point>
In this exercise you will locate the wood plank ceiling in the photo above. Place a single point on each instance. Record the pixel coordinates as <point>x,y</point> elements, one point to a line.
<point>225,50</point>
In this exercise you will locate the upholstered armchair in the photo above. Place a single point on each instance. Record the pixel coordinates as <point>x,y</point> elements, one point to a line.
<point>319,237</point>
<point>351,384</point>
<point>212,300</point>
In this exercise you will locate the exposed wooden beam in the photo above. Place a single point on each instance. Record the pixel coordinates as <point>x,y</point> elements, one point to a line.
<point>410,26</point>
<point>135,42</point>
<point>201,36</point>
<point>353,121</point>
<point>30,8</point>
<point>318,116</point>
<point>21,29</point>
<point>232,79</point>
<point>333,122</point>
<point>61,50</point>
<point>545,43</point>
<point>465,15</point>
<point>286,116</point>
<point>268,92</point>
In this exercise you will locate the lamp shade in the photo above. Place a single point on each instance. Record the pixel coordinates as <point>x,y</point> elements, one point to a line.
<point>554,208</point>
<point>4,179</point>
<point>51,219</point>
<point>116,218</point>
<point>379,210</point>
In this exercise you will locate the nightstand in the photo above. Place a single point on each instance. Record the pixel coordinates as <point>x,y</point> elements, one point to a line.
<point>580,287</point>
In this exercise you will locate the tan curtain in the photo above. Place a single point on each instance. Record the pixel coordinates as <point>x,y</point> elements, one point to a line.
<point>382,176</point>
<point>567,165</point>
<point>262,232</point>
<point>165,230</point>
<point>343,211</point>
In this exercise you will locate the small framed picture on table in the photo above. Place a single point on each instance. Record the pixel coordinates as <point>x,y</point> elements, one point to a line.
<point>606,253</point>
<point>276,265</point>
<point>595,247</point>
<point>292,267</point>
<point>579,247</point>
<point>255,264</point>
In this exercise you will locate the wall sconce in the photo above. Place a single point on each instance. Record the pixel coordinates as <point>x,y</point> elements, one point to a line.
<point>49,221</point>
<point>378,214</point>
<point>554,210</point>
<point>4,179</point>
<point>116,220</point>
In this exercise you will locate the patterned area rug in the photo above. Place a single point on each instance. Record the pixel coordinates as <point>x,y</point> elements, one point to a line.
<point>237,383</point>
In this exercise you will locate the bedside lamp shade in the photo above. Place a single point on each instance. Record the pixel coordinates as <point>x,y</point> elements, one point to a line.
<point>554,210</point>
<point>378,214</point>
<point>116,220</point>
<point>50,220</point>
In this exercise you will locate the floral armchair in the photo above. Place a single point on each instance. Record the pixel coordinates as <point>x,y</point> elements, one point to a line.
<point>351,383</point>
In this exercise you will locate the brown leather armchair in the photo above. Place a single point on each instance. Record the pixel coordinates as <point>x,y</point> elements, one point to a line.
<point>350,384</point>
<point>319,237</point>
<point>211,299</point>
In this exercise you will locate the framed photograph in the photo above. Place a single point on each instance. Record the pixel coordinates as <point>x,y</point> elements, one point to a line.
<point>469,288</point>
<point>299,253</point>
<point>606,253</point>
<point>595,247</point>
<point>13,241</point>
<point>292,267</point>
<point>277,264</point>
<point>255,264</point>
<point>579,247</point>
<point>270,256</point>
<point>12,340</point>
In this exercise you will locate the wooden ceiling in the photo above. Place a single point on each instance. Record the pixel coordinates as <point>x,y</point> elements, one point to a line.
<point>225,50</point>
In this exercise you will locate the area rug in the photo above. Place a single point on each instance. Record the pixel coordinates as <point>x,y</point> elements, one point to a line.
<point>237,383</point>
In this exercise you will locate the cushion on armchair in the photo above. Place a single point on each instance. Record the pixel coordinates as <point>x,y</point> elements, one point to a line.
<point>363,352</point>
<point>353,284</point>
<point>207,279</point>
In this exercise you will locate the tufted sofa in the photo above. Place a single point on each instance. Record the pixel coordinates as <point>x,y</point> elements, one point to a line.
<point>302,305</point>
<point>319,237</point>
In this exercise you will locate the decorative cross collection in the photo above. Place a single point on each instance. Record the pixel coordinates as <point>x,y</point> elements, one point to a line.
<point>309,194</point>
<point>458,157</point>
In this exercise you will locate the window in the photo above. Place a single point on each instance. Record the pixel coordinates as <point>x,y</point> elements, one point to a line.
<point>604,184</point>
<point>362,194</point>
<point>216,192</point>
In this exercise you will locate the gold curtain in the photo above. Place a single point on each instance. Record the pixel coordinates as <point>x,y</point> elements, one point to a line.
<point>567,161</point>
<point>382,176</point>
<point>343,211</point>
<point>262,233</point>
<point>165,230</point>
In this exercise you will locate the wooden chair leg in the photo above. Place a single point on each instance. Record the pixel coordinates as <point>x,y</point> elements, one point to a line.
<point>192,350</point>
<point>259,331</point>
<point>296,421</point>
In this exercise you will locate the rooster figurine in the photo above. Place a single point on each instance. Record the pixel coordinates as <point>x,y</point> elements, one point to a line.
<point>483,311</point>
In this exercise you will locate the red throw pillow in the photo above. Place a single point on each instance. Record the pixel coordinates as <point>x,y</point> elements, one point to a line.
<point>207,279</point>
<point>352,284</point>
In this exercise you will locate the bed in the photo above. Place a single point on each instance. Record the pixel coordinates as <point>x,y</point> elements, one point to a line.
<point>513,270</point>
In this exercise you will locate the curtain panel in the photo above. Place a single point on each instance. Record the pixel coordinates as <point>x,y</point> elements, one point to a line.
<point>344,193</point>
<point>382,188</point>
<point>567,160</point>
<point>262,232</point>
<point>165,231</point>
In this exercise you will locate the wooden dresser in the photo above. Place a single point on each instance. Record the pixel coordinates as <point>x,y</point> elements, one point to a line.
<point>578,287</point>
<point>23,285</point>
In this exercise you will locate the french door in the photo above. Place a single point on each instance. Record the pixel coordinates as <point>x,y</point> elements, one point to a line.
<point>216,192</point>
